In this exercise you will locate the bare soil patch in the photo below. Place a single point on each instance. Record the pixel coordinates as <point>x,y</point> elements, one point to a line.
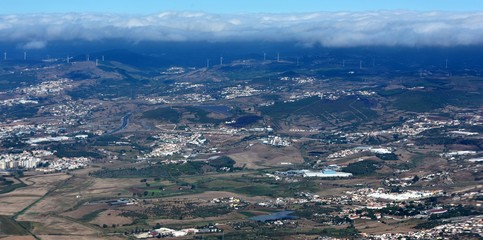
<point>77,237</point>
<point>262,156</point>
<point>18,238</point>
<point>84,209</point>
<point>48,225</point>
<point>111,217</point>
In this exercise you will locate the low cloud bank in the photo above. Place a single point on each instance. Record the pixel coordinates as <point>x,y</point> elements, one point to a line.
<point>331,29</point>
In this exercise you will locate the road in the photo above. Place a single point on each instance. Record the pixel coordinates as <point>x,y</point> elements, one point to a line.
<point>124,123</point>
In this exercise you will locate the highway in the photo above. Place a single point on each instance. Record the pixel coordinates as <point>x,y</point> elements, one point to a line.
<point>124,123</point>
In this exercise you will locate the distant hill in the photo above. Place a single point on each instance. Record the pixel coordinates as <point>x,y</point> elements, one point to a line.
<point>129,58</point>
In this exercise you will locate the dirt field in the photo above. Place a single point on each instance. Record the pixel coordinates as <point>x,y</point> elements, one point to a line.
<point>38,186</point>
<point>110,217</point>
<point>109,186</point>
<point>83,210</point>
<point>376,227</point>
<point>263,156</point>
<point>18,238</point>
<point>48,225</point>
<point>77,237</point>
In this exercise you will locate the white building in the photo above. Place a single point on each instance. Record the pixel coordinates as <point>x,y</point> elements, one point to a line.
<point>327,173</point>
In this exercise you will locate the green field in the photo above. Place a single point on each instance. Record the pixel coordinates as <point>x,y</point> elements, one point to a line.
<point>346,108</point>
<point>255,186</point>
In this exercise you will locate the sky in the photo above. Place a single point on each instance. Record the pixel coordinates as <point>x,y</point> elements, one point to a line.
<point>231,6</point>
<point>34,24</point>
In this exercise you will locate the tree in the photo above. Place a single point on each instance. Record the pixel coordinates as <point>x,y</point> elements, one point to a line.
<point>415,178</point>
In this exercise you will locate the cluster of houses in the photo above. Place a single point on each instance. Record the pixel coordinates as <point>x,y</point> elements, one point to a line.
<point>239,91</point>
<point>276,141</point>
<point>42,161</point>
<point>384,194</point>
<point>170,144</point>
<point>232,202</point>
<point>328,95</point>
<point>348,152</point>
<point>46,88</point>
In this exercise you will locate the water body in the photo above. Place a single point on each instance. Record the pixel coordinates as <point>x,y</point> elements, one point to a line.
<point>245,121</point>
<point>283,215</point>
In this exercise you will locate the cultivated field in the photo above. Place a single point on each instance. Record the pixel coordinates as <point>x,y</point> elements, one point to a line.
<point>38,186</point>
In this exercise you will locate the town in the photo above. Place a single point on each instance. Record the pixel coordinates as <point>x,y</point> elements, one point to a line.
<point>206,152</point>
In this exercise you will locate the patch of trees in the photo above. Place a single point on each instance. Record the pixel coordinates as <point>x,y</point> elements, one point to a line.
<point>13,142</point>
<point>135,215</point>
<point>162,171</point>
<point>201,116</point>
<point>428,224</point>
<point>349,232</point>
<point>457,211</point>
<point>163,114</point>
<point>71,150</point>
<point>408,210</point>
<point>220,162</point>
<point>323,214</point>
<point>364,167</point>
<point>387,156</point>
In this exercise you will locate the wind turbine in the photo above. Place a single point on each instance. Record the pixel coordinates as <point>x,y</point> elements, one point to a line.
<point>264,56</point>
<point>5,56</point>
<point>207,63</point>
<point>24,56</point>
<point>278,57</point>
<point>221,60</point>
<point>360,64</point>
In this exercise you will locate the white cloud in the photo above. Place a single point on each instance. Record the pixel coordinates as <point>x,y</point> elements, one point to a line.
<point>34,45</point>
<point>388,28</point>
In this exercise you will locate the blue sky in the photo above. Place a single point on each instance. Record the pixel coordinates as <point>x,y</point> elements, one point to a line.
<point>231,6</point>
